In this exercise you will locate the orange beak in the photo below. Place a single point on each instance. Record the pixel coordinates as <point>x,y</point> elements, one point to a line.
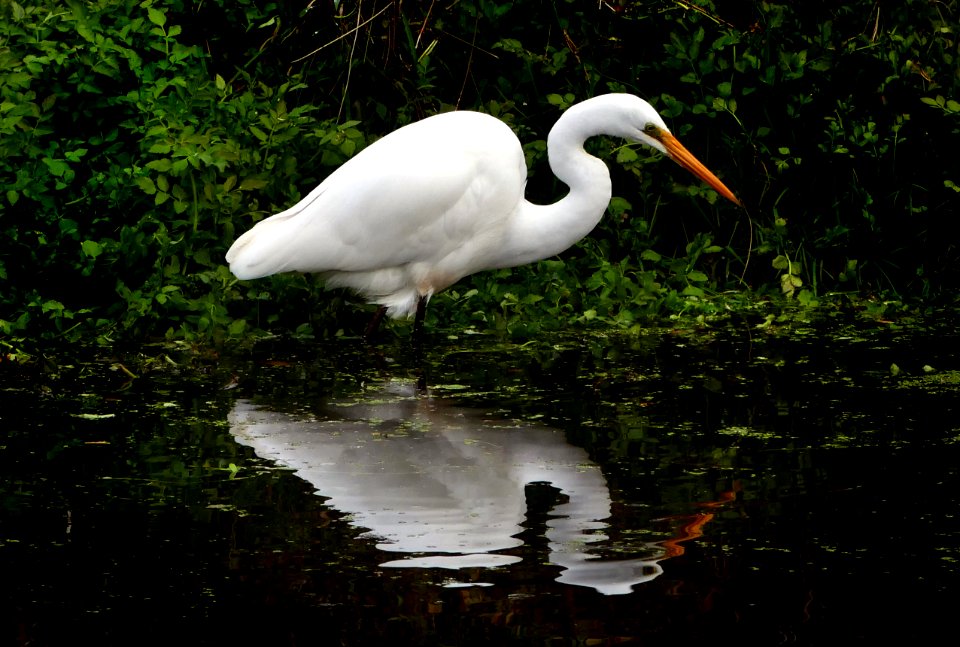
<point>685,158</point>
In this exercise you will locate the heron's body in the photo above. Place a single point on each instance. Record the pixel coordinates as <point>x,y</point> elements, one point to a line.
<point>443,198</point>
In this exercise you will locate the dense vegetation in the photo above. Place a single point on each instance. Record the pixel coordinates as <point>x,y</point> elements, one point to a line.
<point>139,138</point>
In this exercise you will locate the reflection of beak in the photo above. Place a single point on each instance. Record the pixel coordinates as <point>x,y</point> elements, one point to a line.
<point>685,158</point>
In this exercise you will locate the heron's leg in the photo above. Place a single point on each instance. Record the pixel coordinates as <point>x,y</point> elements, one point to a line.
<point>418,344</point>
<point>418,321</point>
<point>374,324</point>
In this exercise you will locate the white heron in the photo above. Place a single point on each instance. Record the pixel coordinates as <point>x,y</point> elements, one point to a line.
<point>443,198</point>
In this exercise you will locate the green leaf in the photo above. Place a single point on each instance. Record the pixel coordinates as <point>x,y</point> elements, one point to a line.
<point>626,154</point>
<point>156,16</point>
<point>348,147</point>
<point>91,248</point>
<point>162,165</point>
<point>75,155</point>
<point>57,167</point>
<point>806,298</point>
<point>68,227</point>
<point>147,185</point>
<point>85,32</point>
<point>252,183</point>
<point>650,255</point>
<point>236,327</point>
<point>93,416</point>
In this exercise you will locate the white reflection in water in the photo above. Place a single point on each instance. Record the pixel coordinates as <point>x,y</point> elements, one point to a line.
<point>446,486</point>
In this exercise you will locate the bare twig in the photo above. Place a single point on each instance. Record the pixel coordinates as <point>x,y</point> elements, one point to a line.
<point>466,73</point>
<point>353,48</point>
<point>342,36</point>
<point>423,27</point>
<point>700,10</point>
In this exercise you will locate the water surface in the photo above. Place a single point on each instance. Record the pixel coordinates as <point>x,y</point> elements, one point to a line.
<point>731,484</point>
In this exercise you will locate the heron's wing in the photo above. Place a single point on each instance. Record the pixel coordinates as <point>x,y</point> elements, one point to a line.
<point>415,195</point>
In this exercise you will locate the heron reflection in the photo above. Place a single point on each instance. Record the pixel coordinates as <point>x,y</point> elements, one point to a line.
<point>445,487</point>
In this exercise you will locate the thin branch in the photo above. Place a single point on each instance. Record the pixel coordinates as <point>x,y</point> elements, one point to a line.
<point>423,27</point>
<point>353,48</point>
<point>342,36</point>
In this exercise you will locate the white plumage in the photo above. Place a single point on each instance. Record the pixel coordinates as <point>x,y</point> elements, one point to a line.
<point>443,198</point>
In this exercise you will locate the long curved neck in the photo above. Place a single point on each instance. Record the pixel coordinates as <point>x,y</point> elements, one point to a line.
<point>541,231</point>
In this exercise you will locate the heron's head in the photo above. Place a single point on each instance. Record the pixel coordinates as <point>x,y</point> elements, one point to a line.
<point>643,124</point>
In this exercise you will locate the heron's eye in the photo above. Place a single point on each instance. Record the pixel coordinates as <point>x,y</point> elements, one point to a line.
<point>651,130</point>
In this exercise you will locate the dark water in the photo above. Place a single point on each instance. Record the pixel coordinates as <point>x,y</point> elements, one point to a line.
<point>731,485</point>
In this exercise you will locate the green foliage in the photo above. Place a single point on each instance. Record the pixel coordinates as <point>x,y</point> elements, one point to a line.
<point>139,138</point>
<point>127,168</point>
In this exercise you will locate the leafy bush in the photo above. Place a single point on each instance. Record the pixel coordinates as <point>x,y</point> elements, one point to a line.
<point>138,139</point>
<point>126,162</point>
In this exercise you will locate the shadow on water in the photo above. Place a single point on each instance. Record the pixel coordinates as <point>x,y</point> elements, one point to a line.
<point>662,489</point>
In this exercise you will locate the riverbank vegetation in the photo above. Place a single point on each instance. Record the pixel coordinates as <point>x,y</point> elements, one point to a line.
<point>138,139</point>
